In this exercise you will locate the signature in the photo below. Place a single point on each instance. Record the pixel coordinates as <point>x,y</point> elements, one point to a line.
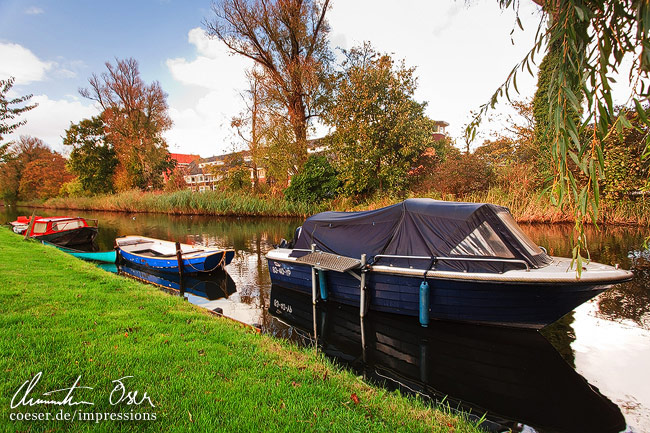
<point>22,398</point>
<point>118,395</point>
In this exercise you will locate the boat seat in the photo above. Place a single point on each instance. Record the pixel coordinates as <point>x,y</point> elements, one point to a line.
<point>134,242</point>
<point>153,253</point>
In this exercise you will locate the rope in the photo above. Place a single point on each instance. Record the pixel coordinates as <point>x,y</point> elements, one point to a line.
<point>223,257</point>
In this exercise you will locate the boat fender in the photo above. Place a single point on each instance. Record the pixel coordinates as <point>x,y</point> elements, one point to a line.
<point>424,304</point>
<point>322,280</point>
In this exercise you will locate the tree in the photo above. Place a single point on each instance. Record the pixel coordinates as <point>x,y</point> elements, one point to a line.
<point>251,124</point>
<point>93,158</point>
<point>593,39</point>
<point>9,111</point>
<point>135,115</point>
<point>43,177</point>
<point>317,181</point>
<point>380,129</point>
<point>33,171</point>
<point>288,38</point>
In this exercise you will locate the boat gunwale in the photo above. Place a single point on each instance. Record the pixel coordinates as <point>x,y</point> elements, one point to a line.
<point>196,255</point>
<point>521,277</point>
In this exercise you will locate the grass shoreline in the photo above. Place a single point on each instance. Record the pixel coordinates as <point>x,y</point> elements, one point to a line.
<point>527,208</point>
<point>68,318</point>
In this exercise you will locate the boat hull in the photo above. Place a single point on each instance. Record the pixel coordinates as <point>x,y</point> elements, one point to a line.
<point>532,305</point>
<point>192,265</point>
<point>78,236</point>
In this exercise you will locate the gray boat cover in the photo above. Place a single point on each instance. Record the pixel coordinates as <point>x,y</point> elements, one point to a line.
<point>427,228</point>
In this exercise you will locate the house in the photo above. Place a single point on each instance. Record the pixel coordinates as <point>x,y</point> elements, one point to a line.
<point>182,163</point>
<point>204,174</point>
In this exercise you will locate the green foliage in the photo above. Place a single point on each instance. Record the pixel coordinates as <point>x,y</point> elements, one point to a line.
<point>93,159</point>
<point>9,110</point>
<point>626,172</point>
<point>380,129</point>
<point>594,38</point>
<point>316,182</point>
<point>73,188</point>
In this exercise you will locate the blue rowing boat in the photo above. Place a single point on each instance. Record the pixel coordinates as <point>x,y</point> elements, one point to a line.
<point>161,256</point>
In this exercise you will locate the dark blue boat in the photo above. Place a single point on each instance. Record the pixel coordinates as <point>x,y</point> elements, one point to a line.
<point>465,262</point>
<point>161,256</point>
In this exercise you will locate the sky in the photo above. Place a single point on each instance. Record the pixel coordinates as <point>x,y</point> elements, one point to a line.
<point>462,51</point>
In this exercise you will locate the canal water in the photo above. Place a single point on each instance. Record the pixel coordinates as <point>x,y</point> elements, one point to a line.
<point>588,372</point>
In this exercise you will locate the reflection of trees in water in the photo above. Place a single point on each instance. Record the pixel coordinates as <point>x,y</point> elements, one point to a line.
<point>560,334</point>
<point>629,301</point>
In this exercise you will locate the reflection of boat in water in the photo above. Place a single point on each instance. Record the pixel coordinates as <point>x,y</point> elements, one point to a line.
<point>515,375</point>
<point>211,286</point>
<point>466,262</point>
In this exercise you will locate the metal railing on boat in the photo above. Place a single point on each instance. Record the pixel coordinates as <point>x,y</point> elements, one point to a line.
<point>458,259</point>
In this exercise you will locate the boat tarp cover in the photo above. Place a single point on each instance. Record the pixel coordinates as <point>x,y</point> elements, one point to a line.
<point>428,228</point>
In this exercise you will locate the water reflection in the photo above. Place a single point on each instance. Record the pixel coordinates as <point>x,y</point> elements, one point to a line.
<point>213,286</point>
<point>515,375</point>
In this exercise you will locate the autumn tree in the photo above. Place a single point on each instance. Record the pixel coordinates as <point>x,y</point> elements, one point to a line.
<point>33,171</point>
<point>380,130</point>
<point>10,109</point>
<point>288,39</point>
<point>252,123</point>
<point>135,117</point>
<point>92,158</point>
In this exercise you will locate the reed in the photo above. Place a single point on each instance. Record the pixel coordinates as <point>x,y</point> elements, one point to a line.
<point>527,205</point>
<point>188,203</point>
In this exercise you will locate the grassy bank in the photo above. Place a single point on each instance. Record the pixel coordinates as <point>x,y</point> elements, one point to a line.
<point>67,318</point>
<point>528,207</point>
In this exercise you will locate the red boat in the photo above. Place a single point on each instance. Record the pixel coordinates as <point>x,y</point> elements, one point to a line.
<point>60,230</point>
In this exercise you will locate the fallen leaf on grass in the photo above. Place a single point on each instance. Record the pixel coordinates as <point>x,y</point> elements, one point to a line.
<point>355,398</point>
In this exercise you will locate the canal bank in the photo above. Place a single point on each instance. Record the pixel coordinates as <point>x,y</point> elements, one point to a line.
<point>68,319</point>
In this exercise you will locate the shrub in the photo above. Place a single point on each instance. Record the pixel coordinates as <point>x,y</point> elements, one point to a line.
<point>318,181</point>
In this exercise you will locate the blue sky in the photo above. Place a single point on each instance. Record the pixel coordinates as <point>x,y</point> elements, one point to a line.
<point>462,53</point>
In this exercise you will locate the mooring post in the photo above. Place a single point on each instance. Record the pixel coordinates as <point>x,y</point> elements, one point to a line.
<point>314,284</point>
<point>30,225</point>
<point>362,296</point>
<point>179,258</point>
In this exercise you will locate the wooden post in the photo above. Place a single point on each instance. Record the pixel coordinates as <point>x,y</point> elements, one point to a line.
<point>179,258</point>
<point>30,225</point>
<point>362,295</point>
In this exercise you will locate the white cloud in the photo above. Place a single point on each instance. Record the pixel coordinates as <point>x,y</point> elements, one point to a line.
<point>34,10</point>
<point>202,123</point>
<point>23,64</point>
<point>51,118</point>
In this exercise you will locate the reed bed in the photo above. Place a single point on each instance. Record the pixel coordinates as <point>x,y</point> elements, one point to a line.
<point>526,206</point>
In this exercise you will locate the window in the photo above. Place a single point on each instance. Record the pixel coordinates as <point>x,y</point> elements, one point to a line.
<point>483,241</point>
<point>39,228</point>
<point>512,225</point>
<point>66,225</point>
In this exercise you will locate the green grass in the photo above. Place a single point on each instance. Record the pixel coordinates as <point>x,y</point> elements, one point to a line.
<point>68,318</point>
